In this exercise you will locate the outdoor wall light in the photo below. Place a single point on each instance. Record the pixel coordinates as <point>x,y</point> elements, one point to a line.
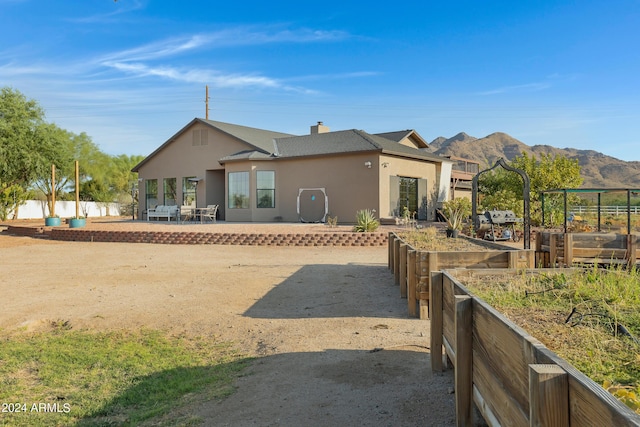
<point>368,164</point>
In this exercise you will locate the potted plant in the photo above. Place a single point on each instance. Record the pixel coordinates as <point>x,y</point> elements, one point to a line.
<point>52,221</point>
<point>77,222</point>
<point>455,212</point>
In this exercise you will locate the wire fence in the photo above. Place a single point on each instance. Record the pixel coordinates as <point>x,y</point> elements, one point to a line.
<point>605,210</point>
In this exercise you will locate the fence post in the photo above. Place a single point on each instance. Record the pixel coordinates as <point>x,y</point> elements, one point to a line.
<point>632,246</point>
<point>403,270</point>
<point>568,249</point>
<point>390,246</point>
<point>464,360</point>
<point>425,272</point>
<point>553,249</point>
<point>548,396</point>
<point>411,282</point>
<point>435,309</point>
<point>396,261</point>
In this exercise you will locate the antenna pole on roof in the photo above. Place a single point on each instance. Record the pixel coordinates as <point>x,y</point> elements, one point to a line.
<point>206,102</point>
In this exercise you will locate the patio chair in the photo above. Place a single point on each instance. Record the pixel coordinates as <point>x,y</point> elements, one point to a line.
<point>187,214</point>
<point>209,213</point>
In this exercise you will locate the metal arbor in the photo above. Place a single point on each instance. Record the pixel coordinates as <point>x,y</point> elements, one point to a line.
<point>525,196</point>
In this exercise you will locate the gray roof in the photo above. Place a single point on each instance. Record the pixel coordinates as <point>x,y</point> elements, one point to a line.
<point>396,136</point>
<point>331,143</point>
<point>346,141</point>
<point>259,138</point>
<point>247,155</point>
<point>265,144</point>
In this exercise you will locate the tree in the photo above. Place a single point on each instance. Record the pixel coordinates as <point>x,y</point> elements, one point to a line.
<point>502,189</point>
<point>29,146</point>
<point>11,197</point>
<point>122,179</point>
<point>20,145</point>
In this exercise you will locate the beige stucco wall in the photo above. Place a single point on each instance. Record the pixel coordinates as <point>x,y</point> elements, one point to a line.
<point>181,158</point>
<point>349,184</point>
<point>397,166</point>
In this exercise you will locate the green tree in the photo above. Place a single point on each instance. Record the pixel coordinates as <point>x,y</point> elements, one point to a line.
<point>21,146</point>
<point>58,149</point>
<point>11,197</point>
<point>122,179</point>
<point>502,189</point>
<point>29,146</point>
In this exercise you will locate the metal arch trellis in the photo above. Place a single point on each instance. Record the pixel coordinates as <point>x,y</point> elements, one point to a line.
<point>525,196</point>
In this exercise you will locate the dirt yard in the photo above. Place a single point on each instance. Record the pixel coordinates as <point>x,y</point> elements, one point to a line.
<point>330,333</point>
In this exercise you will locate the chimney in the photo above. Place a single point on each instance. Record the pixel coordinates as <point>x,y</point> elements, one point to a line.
<point>319,128</point>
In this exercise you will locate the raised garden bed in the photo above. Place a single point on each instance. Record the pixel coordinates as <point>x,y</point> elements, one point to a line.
<point>413,256</point>
<point>567,249</point>
<point>516,379</point>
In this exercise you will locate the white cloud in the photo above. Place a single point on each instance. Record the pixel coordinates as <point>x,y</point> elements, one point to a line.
<point>136,61</point>
<point>529,87</point>
<point>121,8</point>
<point>239,36</point>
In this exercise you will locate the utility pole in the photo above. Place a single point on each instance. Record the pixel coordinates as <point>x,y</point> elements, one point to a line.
<point>206,102</point>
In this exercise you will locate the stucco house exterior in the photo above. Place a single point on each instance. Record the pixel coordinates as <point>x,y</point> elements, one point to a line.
<point>257,175</point>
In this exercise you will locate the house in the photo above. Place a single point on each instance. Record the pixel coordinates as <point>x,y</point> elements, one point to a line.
<point>462,173</point>
<point>257,175</point>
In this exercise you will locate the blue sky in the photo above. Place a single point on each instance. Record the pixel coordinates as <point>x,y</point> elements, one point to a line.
<point>131,73</point>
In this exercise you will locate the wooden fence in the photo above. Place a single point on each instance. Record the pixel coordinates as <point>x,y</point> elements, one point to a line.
<point>566,249</point>
<point>412,268</point>
<point>511,377</point>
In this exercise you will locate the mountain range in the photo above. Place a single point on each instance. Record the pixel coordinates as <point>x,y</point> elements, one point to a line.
<point>598,170</point>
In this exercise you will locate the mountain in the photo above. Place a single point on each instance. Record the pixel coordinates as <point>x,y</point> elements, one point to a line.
<point>598,170</point>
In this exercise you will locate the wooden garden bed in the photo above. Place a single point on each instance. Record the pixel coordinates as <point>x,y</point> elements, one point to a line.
<point>412,267</point>
<point>567,249</point>
<point>512,378</point>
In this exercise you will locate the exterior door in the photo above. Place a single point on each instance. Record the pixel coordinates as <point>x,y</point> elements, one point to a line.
<point>408,195</point>
<point>409,192</point>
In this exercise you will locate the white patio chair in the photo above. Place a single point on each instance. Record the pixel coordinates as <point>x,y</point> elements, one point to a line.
<point>209,214</point>
<point>187,214</point>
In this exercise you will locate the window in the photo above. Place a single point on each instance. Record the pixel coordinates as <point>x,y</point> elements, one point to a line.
<point>170,192</point>
<point>266,189</point>
<point>151,193</point>
<point>189,186</point>
<point>238,190</point>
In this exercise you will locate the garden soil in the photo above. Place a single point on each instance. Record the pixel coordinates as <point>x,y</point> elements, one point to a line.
<point>330,336</point>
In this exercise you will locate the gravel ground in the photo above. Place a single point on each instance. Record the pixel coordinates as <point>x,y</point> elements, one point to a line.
<point>329,332</point>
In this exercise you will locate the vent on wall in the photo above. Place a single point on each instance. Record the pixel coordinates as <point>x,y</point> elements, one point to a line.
<point>200,137</point>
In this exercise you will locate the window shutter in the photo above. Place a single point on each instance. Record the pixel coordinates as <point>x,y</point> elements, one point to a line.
<point>422,200</point>
<point>394,195</point>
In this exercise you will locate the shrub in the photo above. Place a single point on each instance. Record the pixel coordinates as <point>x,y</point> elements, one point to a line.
<point>456,211</point>
<point>366,221</point>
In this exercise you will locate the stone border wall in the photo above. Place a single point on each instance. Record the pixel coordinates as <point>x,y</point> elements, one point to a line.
<point>198,238</point>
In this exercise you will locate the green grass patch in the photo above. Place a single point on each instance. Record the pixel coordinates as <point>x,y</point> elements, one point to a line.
<point>591,318</point>
<point>65,377</point>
